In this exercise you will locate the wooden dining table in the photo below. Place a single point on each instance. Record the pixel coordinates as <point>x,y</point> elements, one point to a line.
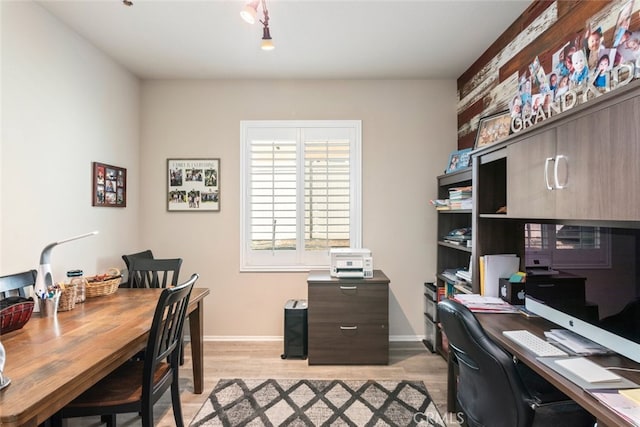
<point>52,360</point>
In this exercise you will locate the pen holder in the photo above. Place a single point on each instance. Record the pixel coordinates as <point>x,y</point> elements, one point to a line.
<point>49,306</point>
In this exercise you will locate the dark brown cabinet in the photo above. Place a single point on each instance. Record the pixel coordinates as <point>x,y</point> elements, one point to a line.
<point>348,319</point>
<point>578,167</point>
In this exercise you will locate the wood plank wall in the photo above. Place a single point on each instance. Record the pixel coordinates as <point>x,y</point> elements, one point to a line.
<point>542,29</point>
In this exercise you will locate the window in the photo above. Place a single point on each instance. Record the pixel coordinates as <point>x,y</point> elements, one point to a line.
<point>301,192</point>
<point>568,246</point>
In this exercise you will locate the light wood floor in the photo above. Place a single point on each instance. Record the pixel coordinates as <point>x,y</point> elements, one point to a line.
<point>409,361</point>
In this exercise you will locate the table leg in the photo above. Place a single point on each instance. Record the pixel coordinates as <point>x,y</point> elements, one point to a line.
<point>197,358</point>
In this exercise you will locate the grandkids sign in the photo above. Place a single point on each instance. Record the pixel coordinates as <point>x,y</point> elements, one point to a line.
<point>599,83</point>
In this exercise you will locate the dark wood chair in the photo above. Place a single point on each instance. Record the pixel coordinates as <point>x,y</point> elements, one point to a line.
<point>17,283</point>
<point>147,254</point>
<point>154,273</point>
<point>138,384</point>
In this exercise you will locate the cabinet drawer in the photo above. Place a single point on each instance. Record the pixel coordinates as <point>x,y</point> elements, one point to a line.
<point>430,334</point>
<point>431,309</point>
<point>431,291</point>
<point>348,344</point>
<point>366,303</point>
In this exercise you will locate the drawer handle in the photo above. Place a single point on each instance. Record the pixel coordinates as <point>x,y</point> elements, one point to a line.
<point>348,328</point>
<point>348,288</point>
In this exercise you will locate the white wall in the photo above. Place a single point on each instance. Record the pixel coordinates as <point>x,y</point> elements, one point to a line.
<point>409,129</point>
<point>64,105</point>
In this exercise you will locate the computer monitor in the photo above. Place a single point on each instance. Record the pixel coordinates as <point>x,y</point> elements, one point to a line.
<point>619,332</point>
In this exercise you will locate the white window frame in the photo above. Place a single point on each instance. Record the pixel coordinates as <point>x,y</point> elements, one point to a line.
<point>299,259</point>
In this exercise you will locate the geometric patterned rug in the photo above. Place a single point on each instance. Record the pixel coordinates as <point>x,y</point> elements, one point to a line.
<point>357,403</point>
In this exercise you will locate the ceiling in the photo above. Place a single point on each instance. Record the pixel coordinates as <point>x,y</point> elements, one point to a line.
<point>314,39</point>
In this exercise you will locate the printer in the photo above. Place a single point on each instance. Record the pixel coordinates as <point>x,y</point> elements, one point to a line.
<point>351,263</point>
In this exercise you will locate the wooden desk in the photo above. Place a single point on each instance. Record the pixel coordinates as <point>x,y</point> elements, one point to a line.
<point>494,324</point>
<point>53,360</point>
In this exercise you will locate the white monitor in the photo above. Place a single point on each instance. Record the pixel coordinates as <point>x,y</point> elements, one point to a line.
<point>619,341</point>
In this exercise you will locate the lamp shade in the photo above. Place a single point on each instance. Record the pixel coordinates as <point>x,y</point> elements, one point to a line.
<point>267,43</point>
<point>249,12</point>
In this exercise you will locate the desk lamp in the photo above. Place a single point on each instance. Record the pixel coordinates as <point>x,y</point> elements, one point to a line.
<point>44,279</point>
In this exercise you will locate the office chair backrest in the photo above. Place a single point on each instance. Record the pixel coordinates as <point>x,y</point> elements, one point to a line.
<point>154,273</point>
<point>17,283</point>
<point>490,390</point>
<point>165,335</point>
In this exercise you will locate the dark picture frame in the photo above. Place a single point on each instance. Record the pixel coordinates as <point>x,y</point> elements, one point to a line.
<point>193,185</point>
<point>109,188</point>
<point>459,159</point>
<point>493,128</point>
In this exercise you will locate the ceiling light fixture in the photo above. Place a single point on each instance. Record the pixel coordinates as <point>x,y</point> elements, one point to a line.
<point>250,12</point>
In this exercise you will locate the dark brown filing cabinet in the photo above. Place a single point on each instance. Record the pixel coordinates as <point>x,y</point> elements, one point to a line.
<point>348,319</point>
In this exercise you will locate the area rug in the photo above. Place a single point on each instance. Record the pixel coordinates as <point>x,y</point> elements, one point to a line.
<point>358,403</point>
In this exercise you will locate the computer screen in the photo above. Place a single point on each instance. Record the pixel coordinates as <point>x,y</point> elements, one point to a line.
<point>607,309</point>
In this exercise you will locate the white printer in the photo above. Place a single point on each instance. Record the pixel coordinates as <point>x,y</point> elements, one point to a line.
<point>351,262</point>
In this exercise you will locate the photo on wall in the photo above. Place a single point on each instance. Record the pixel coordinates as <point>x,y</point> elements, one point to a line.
<point>109,188</point>
<point>193,185</point>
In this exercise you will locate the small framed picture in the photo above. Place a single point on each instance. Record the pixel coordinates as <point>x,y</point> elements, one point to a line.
<point>193,185</point>
<point>493,128</point>
<point>459,159</point>
<point>109,185</point>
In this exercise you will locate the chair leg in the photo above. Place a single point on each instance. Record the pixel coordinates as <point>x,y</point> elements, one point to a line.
<point>110,419</point>
<point>147,415</point>
<point>175,402</point>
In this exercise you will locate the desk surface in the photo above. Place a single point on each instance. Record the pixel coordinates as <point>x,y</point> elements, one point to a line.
<point>494,324</point>
<point>53,360</point>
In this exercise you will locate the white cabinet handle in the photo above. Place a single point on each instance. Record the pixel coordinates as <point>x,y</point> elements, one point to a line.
<point>559,157</point>
<point>348,328</point>
<point>348,288</point>
<point>546,172</point>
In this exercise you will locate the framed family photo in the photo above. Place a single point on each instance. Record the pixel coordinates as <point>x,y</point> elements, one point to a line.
<point>459,159</point>
<point>493,128</point>
<point>109,185</point>
<point>193,185</point>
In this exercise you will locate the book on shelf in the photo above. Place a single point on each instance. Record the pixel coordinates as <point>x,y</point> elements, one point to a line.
<point>457,193</point>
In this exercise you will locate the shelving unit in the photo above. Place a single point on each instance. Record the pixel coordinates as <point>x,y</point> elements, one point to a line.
<point>449,255</point>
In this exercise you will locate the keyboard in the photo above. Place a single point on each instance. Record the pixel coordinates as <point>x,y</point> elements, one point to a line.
<point>534,344</point>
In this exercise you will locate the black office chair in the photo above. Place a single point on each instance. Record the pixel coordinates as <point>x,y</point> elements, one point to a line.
<point>154,273</point>
<point>493,390</point>
<point>137,385</point>
<point>147,254</point>
<point>17,283</point>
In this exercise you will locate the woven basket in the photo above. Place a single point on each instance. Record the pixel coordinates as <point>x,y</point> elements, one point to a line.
<point>68,294</point>
<point>98,288</point>
<point>15,316</point>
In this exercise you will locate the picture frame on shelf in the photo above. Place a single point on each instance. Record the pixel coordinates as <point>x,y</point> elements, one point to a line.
<point>109,185</point>
<point>193,185</point>
<point>459,159</point>
<point>493,128</point>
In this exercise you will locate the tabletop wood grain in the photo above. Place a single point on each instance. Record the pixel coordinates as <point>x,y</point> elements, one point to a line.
<point>53,360</point>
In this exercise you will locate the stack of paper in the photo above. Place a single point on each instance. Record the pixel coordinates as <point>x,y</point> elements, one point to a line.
<point>479,303</point>
<point>576,343</point>
<point>492,268</point>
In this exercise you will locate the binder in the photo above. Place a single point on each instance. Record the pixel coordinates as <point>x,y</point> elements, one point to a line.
<point>495,267</point>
